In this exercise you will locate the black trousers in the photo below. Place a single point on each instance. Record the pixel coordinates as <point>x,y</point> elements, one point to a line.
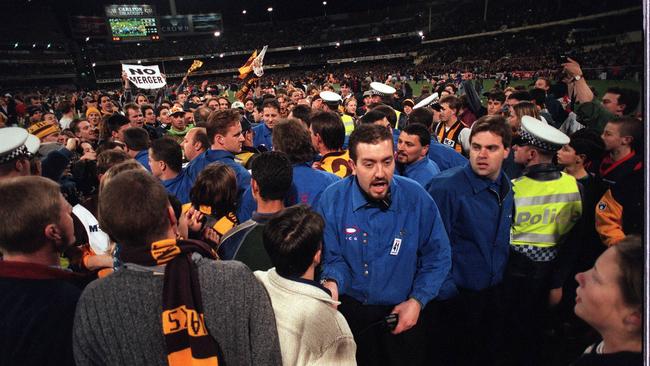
<point>375,344</point>
<point>526,287</point>
<point>467,329</point>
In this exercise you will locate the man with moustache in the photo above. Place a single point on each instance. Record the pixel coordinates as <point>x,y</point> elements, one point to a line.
<point>385,251</point>
<point>412,155</point>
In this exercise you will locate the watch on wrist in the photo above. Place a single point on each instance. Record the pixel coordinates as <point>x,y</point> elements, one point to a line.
<point>322,282</point>
<point>577,77</point>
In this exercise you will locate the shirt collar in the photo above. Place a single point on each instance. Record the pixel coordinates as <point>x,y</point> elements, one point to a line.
<point>212,154</point>
<point>261,218</point>
<point>361,200</point>
<point>479,183</point>
<point>307,282</point>
<point>408,168</point>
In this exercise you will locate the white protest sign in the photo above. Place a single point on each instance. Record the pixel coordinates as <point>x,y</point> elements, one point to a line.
<point>144,77</point>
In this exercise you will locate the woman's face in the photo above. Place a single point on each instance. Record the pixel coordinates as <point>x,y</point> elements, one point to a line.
<point>599,299</point>
<point>94,118</point>
<point>351,107</point>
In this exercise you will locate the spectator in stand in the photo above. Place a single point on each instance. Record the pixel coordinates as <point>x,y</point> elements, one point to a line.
<point>311,330</point>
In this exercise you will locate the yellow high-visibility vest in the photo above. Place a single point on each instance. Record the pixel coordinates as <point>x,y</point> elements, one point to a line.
<point>348,122</point>
<point>545,211</point>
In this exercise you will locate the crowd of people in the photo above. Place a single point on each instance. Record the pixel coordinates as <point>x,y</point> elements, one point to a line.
<point>304,224</point>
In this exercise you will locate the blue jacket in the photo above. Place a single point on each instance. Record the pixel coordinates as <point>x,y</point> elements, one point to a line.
<point>445,156</point>
<point>307,186</point>
<point>421,171</point>
<point>210,156</point>
<point>263,136</point>
<point>477,215</point>
<point>384,256</point>
<point>142,157</point>
<point>176,186</point>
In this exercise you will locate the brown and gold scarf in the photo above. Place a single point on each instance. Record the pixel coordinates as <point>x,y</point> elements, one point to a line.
<point>183,324</point>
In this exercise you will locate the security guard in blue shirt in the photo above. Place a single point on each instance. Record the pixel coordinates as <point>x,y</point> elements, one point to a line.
<point>412,159</point>
<point>263,133</point>
<point>224,132</point>
<point>385,251</point>
<point>475,203</point>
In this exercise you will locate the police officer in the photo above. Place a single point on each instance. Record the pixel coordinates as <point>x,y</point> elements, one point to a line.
<point>385,251</point>
<point>383,94</point>
<point>548,205</point>
<point>14,152</point>
<point>331,102</point>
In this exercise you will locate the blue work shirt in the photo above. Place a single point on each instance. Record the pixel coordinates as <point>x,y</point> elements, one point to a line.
<point>177,187</point>
<point>383,256</point>
<point>421,171</point>
<point>307,186</point>
<point>210,156</point>
<point>142,157</point>
<point>263,135</point>
<point>445,156</point>
<point>477,215</point>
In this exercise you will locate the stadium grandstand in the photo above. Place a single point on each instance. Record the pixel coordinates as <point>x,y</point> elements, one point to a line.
<point>323,182</point>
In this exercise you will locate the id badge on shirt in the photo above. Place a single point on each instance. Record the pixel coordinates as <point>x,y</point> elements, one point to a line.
<point>397,243</point>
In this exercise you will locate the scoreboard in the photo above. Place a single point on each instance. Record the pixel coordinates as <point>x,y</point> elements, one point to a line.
<point>132,23</point>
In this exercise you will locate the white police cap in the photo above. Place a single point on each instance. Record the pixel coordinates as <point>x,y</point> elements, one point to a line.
<point>541,135</point>
<point>330,97</point>
<point>12,143</point>
<point>32,143</point>
<point>427,101</point>
<point>382,89</point>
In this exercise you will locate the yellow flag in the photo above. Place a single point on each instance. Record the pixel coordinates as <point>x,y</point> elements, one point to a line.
<point>195,65</point>
<point>247,68</point>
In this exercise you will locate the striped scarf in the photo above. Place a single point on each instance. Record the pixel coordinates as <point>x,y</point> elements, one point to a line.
<point>183,324</point>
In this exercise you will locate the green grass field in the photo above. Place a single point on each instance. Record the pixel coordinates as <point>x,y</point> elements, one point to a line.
<point>600,85</point>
